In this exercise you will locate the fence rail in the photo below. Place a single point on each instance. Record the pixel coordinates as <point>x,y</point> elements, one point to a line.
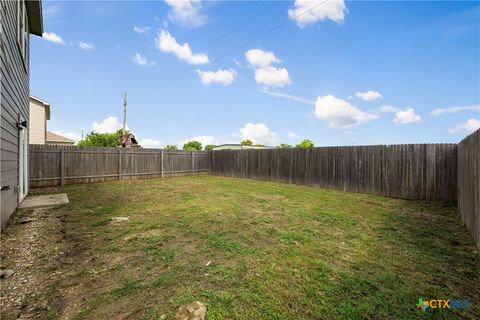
<point>468,192</point>
<point>413,171</point>
<point>58,165</point>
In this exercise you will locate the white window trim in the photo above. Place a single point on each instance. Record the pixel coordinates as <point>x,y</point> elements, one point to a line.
<point>23,32</point>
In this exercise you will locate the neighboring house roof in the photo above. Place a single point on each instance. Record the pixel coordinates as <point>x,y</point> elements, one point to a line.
<point>45,104</point>
<point>53,137</point>
<point>34,13</point>
<point>239,147</point>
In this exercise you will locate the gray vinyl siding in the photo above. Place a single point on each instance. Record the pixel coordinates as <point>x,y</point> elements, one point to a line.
<point>14,102</point>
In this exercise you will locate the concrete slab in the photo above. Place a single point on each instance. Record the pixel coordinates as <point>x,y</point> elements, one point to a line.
<point>47,200</point>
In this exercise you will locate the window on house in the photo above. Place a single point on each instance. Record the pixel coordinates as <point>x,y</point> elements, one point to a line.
<point>22,31</point>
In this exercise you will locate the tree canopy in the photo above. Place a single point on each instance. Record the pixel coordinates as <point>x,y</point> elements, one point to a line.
<point>95,139</point>
<point>246,142</point>
<point>209,147</point>
<point>171,147</point>
<point>284,146</point>
<point>192,145</point>
<point>305,144</point>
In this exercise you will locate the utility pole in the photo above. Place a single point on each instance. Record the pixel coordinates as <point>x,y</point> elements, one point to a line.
<point>124,112</point>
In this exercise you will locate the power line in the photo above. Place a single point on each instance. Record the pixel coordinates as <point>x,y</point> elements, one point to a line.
<point>275,28</point>
<point>224,35</point>
<point>244,23</point>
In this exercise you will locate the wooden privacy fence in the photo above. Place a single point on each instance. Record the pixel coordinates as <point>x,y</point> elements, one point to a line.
<point>51,165</point>
<point>468,191</point>
<point>446,172</point>
<point>413,171</point>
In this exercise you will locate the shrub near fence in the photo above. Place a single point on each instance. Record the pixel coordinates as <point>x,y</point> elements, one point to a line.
<point>468,192</point>
<point>413,171</point>
<point>51,165</point>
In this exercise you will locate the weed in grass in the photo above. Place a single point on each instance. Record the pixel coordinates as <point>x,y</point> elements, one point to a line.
<point>128,287</point>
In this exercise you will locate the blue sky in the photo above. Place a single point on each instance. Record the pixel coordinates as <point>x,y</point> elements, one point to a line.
<point>337,73</point>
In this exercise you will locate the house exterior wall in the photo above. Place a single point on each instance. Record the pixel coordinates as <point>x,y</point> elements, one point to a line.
<point>14,104</point>
<point>38,123</point>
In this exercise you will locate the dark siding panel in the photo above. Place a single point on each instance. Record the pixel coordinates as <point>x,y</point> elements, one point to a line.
<point>14,102</point>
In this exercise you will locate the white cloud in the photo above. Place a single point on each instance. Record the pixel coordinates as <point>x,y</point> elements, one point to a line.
<point>387,108</point>
<point>52,37</point>
<point>292,135</point>
<point>369,95</point>
<point>287,96</point>
<point>258,133</point>
<point>272,77</point>
<point>339,113</point>
<point>237,63</point>
<point>441,111</point>
<point>166,43</point>
<point>141,30</point>
<point>260,58</point>
<point>142,61</point>
<point>49,11</point>
<point>224,77</point>
<point>265,74</point>
<point>307,12</point>
<point>150,143</point>
<point>86,46</point>
<point>186,12</point>
<point>204,140</point>
<point>466,127</point>
<point>139,59</point>
<point>71,135</point>
<point>108,125</point>
<point>406,116</point>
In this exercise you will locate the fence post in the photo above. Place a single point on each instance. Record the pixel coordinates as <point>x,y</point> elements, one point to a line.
<point>193,163</point>
<point>119,164</point>
<point>62,167</point>
<point>161,157</point>
<point>212,159</point>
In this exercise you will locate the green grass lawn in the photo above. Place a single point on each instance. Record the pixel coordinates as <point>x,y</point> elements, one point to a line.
<point>277,251</point>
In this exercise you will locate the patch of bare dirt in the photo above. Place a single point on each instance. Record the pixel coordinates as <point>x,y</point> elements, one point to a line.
<point>42,256</point>
<point>30,246</point>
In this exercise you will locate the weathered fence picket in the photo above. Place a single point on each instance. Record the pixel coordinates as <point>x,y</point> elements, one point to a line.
<point>468,175</point>
<point>414,171</point>
<point>58,165</point>
<point>447,172</point>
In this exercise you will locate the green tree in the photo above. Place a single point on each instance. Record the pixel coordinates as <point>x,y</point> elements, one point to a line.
<point>284,146</point>
<point>305,144</point>
<point>246,142</point>
<point>209,147</point>
<point>260,145</point>
<point>95,139</point>
<point>171,147</point>
<point>192,145</point>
